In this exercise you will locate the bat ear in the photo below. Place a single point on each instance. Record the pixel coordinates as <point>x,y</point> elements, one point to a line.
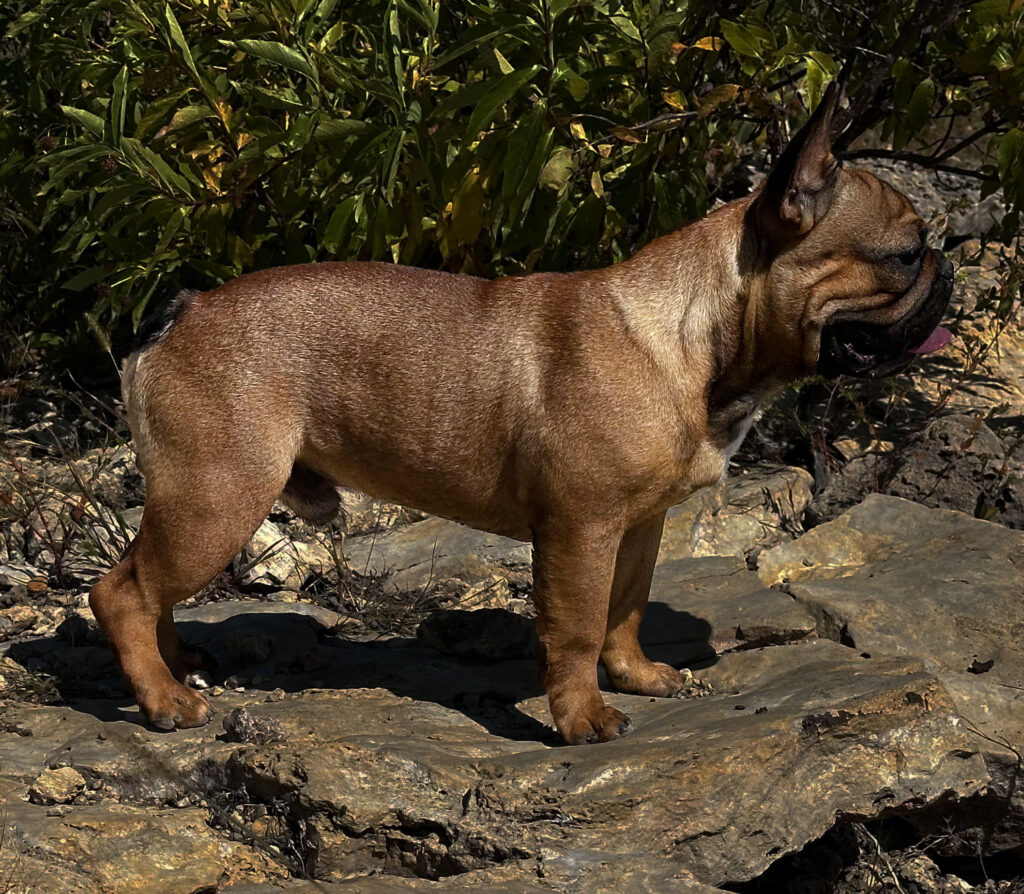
<point>799,190</point>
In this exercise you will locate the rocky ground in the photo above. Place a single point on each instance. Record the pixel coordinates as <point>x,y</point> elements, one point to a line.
<point>850,602</point>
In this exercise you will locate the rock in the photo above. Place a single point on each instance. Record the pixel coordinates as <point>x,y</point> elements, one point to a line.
<point>112,476</point>
<point>251,639</point>
<point>364,515</point>
<point>450,769</point>
<point>241,726</point>
<point>14,574</point>
<point>892,577</point>
<point>492,593</point>
<point>957,463</point>
<point>19,618</point>
<point>57,786</point>
<point>740,516</point>
<point>273,559</point>
<point>700,782</point>
<point>485,633</point>
<point>993,713</point>
<point>249,646</point>
<point>434,550</point>
<point>120,848</point>
<point>717,602</point>
<point>79,627</point>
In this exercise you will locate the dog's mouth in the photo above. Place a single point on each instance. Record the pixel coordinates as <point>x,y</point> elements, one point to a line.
<point>873,350</point>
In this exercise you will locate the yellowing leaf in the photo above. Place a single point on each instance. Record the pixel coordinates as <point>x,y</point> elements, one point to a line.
<point>212,177</point>
<point>577,130</point>
<point>711,44</point>
<point>503,63</point>
<point>675,99</point>
<point>468,209</point>
<point>558,169</point>
<point>597,185</point>
<point>626,135</point>
<point>721,94</point>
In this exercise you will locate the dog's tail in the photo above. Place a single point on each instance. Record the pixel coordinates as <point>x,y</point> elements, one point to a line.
<point>161,319</point>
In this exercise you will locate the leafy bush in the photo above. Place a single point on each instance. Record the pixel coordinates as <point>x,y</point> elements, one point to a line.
<point>147,145</point>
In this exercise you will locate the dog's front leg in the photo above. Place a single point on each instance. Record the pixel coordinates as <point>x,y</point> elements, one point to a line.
<point>628,668</point>
<point>573,568</point>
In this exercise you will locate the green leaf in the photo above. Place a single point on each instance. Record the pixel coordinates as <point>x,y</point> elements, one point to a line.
<point>990,12</point>
<point>341,222</point>
<point>465,96</point>
<point>86,278</point>
<point>495,26</point>
<point>557,7</point>
<point>118,105</point>
<point>1011,150</point>
<point>186,116</point>
<point>496,97</point>
<point>741,38</point>
<point>143,157</point>
<point>920,106</point>
<point>393,154</point>
<point>521,147</point>
<point>178,39</point>
<point>174,223</point>
<point>423,15</point>
<point>627,28</point>
<point>340,128</point>
<point>91,122</point>
<point>114,198</point>
<point>818,67</point>
<point>468,209</point>
<point>279,54</point>
<point>26,20</point>
<point>393,40</point>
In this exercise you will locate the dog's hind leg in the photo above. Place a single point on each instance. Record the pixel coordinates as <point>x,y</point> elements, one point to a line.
<point>201,508</point>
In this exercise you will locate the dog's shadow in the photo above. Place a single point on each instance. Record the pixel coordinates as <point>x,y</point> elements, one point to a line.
<point>268,646</point>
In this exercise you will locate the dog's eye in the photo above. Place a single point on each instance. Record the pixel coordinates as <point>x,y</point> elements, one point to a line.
<point>910,258</point>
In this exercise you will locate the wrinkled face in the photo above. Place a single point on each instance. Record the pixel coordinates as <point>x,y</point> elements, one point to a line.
<point>874,291</point>
<point>846,256</point>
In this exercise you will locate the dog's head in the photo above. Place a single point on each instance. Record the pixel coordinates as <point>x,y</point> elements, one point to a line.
<point>846,255</point>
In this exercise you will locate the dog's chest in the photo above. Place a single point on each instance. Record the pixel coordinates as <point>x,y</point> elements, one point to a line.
<point>718,449</point>
<point>737,433</point>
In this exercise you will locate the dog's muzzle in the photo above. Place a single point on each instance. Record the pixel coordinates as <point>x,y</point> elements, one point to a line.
<point>872,350</point>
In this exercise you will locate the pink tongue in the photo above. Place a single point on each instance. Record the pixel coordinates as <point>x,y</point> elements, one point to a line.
<point>938,339</point>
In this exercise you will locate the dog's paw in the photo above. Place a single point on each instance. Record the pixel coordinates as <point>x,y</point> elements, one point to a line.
<point>599,725</point>
<point>177,708</point>
<point>651,678</point>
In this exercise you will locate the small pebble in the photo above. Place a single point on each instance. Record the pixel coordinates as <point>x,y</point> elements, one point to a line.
<point>58,786</point>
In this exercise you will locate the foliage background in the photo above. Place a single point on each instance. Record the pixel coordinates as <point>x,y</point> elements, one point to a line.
<point>147,146</point>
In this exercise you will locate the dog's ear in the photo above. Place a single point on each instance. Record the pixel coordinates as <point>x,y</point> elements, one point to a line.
<point>798,191</point>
